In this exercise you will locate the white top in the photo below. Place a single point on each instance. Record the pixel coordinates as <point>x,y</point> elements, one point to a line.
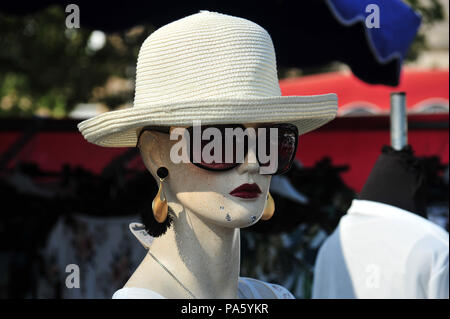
<point>380,251</point>
<point>248,288</point>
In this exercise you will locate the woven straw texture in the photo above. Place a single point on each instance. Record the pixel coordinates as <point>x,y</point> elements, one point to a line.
<point>211,67</point>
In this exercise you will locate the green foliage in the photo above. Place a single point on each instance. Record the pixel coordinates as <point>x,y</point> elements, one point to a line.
<point>45,66</point>
<point>431,12</point>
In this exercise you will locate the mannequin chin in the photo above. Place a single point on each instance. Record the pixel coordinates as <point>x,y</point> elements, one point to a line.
<point>216,205</point>
<point>203,192</point>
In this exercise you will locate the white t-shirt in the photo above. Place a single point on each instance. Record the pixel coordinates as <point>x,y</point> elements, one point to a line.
<point>248,288</point>
<point>380,251</point>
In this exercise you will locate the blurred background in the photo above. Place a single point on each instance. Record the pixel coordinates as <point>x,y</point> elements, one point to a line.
<point>66,201</point>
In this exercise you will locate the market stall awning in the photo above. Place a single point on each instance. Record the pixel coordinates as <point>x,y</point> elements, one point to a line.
<point>305,33</point>
<point>426,91</point>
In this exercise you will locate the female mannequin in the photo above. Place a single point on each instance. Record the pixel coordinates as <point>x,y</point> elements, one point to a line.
<point>217,69</point>
<point>202,249</point>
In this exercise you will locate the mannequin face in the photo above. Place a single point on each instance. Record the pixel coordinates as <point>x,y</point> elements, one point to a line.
<point>207,193</point>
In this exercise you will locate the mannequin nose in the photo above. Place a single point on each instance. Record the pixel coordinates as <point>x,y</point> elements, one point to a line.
<point>250,164</point>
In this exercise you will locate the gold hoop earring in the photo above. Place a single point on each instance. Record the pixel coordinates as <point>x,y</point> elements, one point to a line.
<point>269,209</point>
<point>159,204</point>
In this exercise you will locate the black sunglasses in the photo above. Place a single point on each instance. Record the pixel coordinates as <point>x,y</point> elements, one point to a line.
<point>287,143</point>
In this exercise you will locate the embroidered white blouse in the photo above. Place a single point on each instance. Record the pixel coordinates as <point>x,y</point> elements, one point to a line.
<point>248,288</point>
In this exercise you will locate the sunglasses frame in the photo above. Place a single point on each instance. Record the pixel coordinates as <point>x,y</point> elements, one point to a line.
<point>166,130</point>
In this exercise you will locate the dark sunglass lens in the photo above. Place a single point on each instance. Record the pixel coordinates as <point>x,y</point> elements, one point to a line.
<point>213,145</point>
<point>286,151</point>
<point>287,146</point>
<point>287,142</point>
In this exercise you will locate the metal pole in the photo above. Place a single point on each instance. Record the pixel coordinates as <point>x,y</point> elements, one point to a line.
<point>399,121</point>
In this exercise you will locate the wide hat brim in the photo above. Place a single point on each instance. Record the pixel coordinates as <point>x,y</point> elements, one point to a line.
<point>121,128</point>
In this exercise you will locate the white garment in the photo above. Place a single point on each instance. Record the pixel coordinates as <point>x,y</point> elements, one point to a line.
<point>248,288</point>
<point>380,251</point>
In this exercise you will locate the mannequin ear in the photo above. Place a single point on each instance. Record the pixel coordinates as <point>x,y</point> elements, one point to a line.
<point>150,147</point>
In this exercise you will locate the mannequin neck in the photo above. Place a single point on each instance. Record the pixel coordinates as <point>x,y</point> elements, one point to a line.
<point>204,256</point>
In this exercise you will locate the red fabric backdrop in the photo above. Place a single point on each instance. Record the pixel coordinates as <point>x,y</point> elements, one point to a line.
<point>360,147</point>
<point>348,141</point>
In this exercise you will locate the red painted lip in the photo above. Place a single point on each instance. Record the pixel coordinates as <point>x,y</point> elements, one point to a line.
<point>246,191</point>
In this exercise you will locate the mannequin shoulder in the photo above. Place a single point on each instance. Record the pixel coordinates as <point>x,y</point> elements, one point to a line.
<point>249,288</point>
<point>136,293</point>
<point>258,289</point>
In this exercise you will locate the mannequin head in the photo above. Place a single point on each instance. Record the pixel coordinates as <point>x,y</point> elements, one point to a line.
<point>213,68</point>
<point>203,192</point>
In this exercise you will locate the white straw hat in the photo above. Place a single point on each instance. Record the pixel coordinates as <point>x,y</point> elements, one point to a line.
<point>211,67</point>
